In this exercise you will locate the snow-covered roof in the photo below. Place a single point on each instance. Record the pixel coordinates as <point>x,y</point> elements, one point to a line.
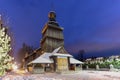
<point>45,58</point>
<point>46,55</point>
<point>59,54</point>
<point>42,60</point>
<point>75,61</point>
<point>99,58</point>
<point>56,50</point>
<point>88,59</point>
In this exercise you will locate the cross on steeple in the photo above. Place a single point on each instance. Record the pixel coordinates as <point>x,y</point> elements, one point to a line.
<point>52,5</point>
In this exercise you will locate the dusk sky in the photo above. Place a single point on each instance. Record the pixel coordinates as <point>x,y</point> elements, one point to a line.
<point>92,25</point>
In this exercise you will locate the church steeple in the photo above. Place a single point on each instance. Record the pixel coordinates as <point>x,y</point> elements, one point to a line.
<point>52,34</point>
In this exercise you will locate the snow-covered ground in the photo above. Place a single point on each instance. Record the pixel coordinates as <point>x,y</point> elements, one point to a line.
<point>81,75</point>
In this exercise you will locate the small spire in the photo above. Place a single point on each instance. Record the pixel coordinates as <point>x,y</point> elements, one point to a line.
<point>52,6</point>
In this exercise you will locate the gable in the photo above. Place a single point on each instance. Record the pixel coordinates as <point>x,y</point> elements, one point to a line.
<point>62,51</point>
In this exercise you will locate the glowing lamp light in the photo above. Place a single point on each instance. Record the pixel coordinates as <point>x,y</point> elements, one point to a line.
<point>14,67</point>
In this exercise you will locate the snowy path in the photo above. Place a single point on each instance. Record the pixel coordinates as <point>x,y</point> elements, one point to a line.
<point>82,75</point>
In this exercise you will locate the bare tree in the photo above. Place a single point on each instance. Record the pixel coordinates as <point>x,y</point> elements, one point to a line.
<point>25,50</point>
<point>81,55</point>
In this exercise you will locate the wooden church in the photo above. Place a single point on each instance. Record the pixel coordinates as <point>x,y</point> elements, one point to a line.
<point>51,56</point>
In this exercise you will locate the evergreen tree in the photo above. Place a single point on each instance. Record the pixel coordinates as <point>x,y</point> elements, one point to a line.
<point>5,47</point>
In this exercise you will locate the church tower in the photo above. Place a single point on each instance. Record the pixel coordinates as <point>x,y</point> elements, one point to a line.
<point>52,34</point>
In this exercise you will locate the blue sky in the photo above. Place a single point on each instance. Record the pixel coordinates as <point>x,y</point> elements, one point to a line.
<point>92,25</point>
